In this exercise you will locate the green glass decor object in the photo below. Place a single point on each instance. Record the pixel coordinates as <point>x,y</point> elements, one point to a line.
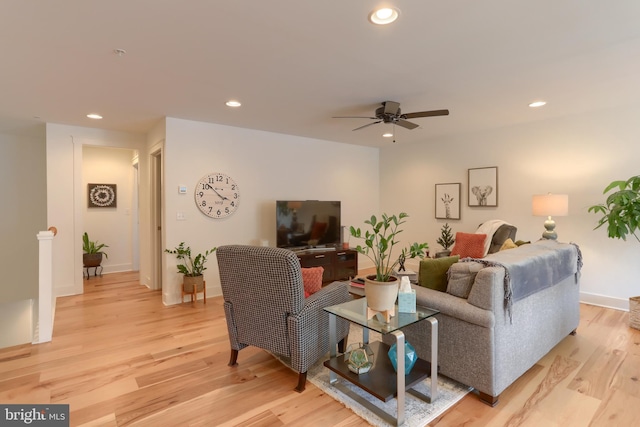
<point>359,358</point>
<point>410,357</point>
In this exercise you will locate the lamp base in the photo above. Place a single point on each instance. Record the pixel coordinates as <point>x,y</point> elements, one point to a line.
<point>550,233</point>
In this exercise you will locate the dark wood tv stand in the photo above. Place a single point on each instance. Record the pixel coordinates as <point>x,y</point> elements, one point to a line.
<point>338,264</point>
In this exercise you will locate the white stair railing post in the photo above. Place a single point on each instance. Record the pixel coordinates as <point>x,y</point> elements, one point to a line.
<point>46,297</point>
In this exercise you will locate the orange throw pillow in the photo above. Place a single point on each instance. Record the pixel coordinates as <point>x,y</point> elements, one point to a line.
<point>469,245</point>
<point>312,280</point>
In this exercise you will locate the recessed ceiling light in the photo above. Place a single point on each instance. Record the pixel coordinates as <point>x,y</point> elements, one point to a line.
<point>94,116</point>
<point>233,103</point>
<point>387,135</point>
<point>537,104</point>
<point>384,16</point>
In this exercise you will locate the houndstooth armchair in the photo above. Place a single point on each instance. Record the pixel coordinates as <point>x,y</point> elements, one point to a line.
<point>265,306</point>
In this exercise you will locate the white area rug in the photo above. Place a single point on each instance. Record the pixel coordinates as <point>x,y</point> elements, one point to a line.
<point>417,412</point>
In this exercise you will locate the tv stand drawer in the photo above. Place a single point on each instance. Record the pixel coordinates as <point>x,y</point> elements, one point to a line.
<point>338,265</point>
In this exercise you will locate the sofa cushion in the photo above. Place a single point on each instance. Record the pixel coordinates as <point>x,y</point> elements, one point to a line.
<point>504,232</point>
<point>469,245</point>
<point>508,244</point>
<point>461,276</point>
<point>433,272</point>
<point>312,279</point>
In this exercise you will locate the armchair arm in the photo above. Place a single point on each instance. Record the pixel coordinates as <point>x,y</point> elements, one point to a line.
<point>309,329</point>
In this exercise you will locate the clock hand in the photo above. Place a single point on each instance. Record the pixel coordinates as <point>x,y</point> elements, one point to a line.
<point>218,194</point>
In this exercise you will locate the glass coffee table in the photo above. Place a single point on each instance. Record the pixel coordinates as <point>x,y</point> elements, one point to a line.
<point>379,380</point>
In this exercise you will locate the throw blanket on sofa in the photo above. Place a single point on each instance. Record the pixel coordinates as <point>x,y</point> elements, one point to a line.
<point>531,268</point>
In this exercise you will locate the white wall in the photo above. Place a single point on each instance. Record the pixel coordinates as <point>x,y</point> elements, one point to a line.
<point>576,155</point>
<point>65,195</point>
<point>267,167</point>
<point>111,226</point>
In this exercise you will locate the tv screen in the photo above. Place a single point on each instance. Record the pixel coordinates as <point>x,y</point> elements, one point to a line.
<point>307,223</point>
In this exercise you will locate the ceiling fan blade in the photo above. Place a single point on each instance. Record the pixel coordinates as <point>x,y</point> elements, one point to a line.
<point>368,124</point>
<point>405,124</point>
<point>425,114</point>
<point>353,117</point>
<point>391,107</point>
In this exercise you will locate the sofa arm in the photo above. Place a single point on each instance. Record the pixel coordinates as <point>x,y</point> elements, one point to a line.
<point>453,306</point>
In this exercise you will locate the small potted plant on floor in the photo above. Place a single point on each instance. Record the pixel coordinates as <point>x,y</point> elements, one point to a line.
<point>92,256</point>
<point>381,289</point>
<point>445,240</point>
<point>191,267</point>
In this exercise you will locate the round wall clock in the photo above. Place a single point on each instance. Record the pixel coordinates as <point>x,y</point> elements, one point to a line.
<point>217,195</point>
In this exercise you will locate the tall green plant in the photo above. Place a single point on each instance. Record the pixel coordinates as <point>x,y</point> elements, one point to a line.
<point>91,247</point>
<point>190,266</point>
<point>380,240</point>
<point>621,211</point>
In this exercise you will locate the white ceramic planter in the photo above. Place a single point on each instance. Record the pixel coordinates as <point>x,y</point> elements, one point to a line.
<point>381,296</point>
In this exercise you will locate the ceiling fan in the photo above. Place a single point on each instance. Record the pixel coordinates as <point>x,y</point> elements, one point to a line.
<point>390,112</point>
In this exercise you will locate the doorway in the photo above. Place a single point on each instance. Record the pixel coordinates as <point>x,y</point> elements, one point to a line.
<point>156,220</point>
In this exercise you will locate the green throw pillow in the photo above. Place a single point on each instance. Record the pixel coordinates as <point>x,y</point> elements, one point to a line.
<point>433,272</point>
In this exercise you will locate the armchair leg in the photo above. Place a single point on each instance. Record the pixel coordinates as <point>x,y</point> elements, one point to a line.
<point>233,360</point>
<point>302,382</point>
<point>342,344</point>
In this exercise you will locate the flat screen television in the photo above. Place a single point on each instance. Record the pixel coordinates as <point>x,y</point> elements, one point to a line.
<point>307,224</point>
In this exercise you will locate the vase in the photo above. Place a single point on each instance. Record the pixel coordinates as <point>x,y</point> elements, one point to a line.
<point>381,296</point>
<point>410,357</point>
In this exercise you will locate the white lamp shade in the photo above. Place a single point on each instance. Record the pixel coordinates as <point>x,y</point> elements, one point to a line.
<point>550,205</point>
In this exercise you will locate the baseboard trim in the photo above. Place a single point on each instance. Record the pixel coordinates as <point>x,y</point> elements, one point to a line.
<point>604,301</point>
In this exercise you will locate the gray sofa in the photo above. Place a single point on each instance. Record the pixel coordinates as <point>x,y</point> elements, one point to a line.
<point>487,341</point>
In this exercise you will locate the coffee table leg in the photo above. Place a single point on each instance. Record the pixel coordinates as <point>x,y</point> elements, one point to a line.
<point>400,375</point>
<point>332,345</point>
<point>434,357</point>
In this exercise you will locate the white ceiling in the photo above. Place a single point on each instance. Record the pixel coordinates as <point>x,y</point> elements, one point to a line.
<point>294,63</point>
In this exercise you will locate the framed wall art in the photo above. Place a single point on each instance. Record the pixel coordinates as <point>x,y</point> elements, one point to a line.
<point>102,195</point>
<point>483,187</point>
<point>448,201</point>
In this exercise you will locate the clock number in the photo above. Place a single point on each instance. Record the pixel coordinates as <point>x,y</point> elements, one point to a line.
<point>201,193</point>
<point>204,203</point>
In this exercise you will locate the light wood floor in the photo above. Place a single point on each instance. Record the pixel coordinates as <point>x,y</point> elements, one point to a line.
<point>119,357</point>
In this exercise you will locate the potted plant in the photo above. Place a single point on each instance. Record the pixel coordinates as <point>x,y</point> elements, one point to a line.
<point>445,240</point>
<point>621,210</point>
<point>92,256</point>
<point>381,289</point>
<point>191,267</point>
<point>621,213</point>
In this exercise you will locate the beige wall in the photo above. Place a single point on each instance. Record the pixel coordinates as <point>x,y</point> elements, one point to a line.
<point>267,167</point>
<point>577,155</point>
<point>23,203</point>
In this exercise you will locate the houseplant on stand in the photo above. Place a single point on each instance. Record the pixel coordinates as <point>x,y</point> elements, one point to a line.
<point>445,240</point>
<point>381,289</point>
<point>621,213</point>
<point>192,268</point>
<point>92,256</point>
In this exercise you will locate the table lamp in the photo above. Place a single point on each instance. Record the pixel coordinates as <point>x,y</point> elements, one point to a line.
<point>550,205</point>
